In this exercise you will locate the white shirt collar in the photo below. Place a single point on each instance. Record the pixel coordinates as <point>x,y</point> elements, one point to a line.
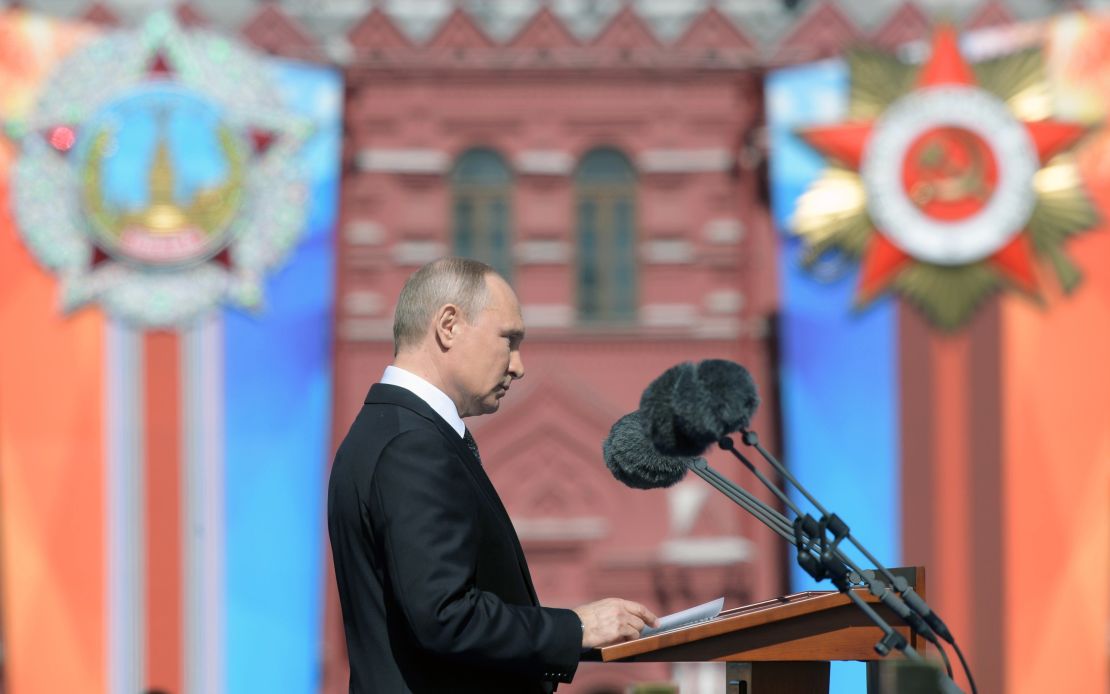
<point>436,398</point>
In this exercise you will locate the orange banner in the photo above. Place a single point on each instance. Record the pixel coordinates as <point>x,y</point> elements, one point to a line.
<point>51,432</point>
<point>51,482</point>
<point>1056,422</point>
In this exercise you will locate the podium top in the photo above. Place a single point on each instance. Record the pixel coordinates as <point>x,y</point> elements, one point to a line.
<point>814,625</point>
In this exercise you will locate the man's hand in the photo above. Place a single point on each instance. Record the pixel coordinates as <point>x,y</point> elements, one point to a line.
<point>612,620</point>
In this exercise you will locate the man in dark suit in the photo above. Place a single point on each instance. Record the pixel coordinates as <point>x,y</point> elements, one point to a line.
<point>434,587</point>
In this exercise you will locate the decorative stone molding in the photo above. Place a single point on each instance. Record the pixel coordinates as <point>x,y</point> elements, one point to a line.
<point>723,231</point>
<point>727,301</point>
<point>718,328</point>
<point>684,503</point>
<point>363,302</point>
<point>404,161</point>
<point>544,162</point>
<point>548,315</point>
<point>706,551</point>
<point>668,315</point>
<point>667,251</point>
<point>338,50</point>
<point>579,529</point>
<point>459,35</point>
<point>542,252</point>
<point>366,329</point>
<point>364,232</point>
<point>416,253</point>
<point>665,161</point>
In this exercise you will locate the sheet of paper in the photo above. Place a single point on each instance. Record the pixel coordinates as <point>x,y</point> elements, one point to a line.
<point>693,615</point>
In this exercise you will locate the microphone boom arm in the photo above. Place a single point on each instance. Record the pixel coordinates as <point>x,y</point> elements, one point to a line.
<point>770,517</point>
<point>902,599</point>
<point>826,561</point>
<point>912,599</point>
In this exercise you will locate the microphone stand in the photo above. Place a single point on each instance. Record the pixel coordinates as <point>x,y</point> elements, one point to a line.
<point>806,536</point>
<point>905,602</point>
<point>815,531</point>
<point>770,517</point>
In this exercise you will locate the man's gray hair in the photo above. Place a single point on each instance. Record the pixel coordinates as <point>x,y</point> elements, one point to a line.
<point>458,281</point>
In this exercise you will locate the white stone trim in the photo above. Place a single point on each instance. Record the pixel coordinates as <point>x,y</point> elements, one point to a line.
<point>544,162</point>
<point>542,251</point>
<point>564,529</point>
<point>685,501</point>
<point>416,253</point>
<point>726,301</point>
<point>669,315</point>
<point>548,315</point>
<point>685,160</point>
<point>404,161</point>
<point>363,302</point>
<point>723,231</point>
<point>339,49</point>
<point>364,232</point>
<point>667,251</point>
<point>718,328</point>
<point>363,329</point>
<point>706,551</point>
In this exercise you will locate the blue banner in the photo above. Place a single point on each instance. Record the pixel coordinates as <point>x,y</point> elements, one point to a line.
<point>838,365</point>
<point>278,428</point>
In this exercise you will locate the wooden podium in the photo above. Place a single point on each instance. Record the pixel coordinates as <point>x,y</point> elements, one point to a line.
<point>779,646</point>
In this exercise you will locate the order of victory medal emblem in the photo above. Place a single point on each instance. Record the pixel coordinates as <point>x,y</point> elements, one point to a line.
<point>157,175</point>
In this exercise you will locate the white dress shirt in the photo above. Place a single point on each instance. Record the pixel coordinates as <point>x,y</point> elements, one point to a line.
<point>436,398</point>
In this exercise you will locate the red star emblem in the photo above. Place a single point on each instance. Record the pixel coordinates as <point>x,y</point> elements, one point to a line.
<point>947,152</point>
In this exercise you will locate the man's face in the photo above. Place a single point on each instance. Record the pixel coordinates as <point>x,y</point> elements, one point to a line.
<point>488,357</point>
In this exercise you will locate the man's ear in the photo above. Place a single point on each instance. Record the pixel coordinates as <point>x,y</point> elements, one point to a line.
<point>447,325</point>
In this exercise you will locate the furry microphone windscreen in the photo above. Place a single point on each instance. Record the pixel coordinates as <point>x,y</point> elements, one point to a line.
<point>716,399</point>
<point>657,406</point>
<point>634,461</point>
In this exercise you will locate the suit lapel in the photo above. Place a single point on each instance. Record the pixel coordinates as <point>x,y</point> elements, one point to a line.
<point>385,393</point>
<point>474,467</point>
<point>478,472</point>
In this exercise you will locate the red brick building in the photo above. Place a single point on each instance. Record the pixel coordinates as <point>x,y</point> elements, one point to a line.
<point>616,183</point>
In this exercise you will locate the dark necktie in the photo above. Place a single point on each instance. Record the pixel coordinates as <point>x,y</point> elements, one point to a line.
<point>468,439</point>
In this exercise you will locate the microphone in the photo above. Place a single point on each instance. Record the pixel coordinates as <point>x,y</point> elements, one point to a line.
<point>689,408</point>
<point>657,406</point>
<point>632,459</point>
<point>635,462</point>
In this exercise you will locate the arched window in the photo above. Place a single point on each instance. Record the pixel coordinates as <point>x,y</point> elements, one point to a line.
<point>606,216</point>
<point>482,185</point>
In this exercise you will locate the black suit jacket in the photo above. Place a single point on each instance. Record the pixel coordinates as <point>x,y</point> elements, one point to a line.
<point>435,591</point>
